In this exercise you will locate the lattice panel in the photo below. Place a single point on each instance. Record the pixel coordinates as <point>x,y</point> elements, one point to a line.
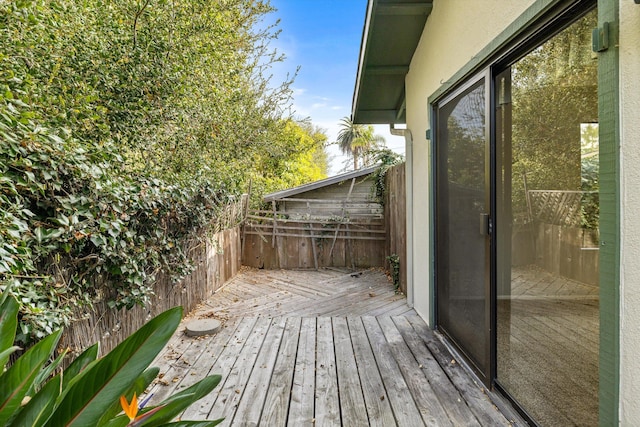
<point>559,207</point>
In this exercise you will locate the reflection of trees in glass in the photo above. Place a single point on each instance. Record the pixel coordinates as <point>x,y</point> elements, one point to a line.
<point>554,90</point>
<point>466,140</point>
<point>590,174</point>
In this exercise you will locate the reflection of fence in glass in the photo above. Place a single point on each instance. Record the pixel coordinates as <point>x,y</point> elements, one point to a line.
<point>552,234</point>
<point>578,209</point>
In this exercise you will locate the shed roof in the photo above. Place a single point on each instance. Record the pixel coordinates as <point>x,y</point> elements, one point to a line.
<point>391,33</point>
<point>319,184</point>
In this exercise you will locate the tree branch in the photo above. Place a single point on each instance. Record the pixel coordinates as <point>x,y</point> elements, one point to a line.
<point>135,23</point>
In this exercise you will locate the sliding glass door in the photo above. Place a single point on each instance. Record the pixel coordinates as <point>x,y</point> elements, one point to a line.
<point>517,222</point>
<point>462,220</point>
<point>547,251</point>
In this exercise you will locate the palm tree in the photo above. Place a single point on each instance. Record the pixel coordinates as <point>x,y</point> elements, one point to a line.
<point>357,141</point>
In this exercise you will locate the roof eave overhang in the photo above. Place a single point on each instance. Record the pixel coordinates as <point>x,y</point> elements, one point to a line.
<point>391,33</point>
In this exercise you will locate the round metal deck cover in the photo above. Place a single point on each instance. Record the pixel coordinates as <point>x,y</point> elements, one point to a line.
<point>200,327</point>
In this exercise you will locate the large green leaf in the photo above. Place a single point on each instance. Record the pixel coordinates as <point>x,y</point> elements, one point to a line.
<point>80,363</point>
<point>194,423</point>
<point>177,403</point>
<point>104,381</point>
<point>119,421</point>
<point>17,380</point>
<point>8,325</point>
<point>37,411</point>
<point>171,407</point>
<point>8,352</point>
<point>138,387</point>
<point>46,373</point>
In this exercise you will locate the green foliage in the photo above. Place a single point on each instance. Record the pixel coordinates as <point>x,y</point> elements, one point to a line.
<point>394,265</point>
<point>298,157</point>
<point>386,159</point>
<point>466,140</point>
<point>125,127</point>
<point>64,209</point>
<point>160,80</point>
<point>90,392</point>
<point>590,203</point>
<point>358,141</point>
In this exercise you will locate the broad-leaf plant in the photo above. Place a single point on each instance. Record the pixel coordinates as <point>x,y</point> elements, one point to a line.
<point>35,391</point>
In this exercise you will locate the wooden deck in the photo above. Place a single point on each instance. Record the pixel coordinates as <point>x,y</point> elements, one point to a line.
<point>548,347</point>
<point>323,348</point>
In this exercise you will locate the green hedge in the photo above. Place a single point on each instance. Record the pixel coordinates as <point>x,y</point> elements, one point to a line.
<point>64,206</point>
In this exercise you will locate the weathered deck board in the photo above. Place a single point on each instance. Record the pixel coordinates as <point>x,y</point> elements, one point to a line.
<point>454,404</point>
<point>431,409</point>
<point>183,360</point>
<point>327,398</point>
<point>248,414</point>
<point>404,408</point>
<point>351,398</point>
<point>472,391</point>
<point>276,404</point>
<point>325,348</point>
<point>301,407</point>
<point>222,366</point>
<point>377,401</point>
<point>233,384</point>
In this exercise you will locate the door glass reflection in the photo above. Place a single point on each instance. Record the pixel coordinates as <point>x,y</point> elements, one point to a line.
<point>548,214</point>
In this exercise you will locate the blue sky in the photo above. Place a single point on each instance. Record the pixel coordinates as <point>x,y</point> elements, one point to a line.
<point>323,38</point>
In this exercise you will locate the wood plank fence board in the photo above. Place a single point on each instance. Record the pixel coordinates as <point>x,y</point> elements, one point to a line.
<point>395,220</point>
<point>215,260</point>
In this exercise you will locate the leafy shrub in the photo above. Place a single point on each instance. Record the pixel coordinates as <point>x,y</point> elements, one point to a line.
<point>35,392</point>
<point>394,265</point>
<point>386,159</point>
<point>63,208</point>
<point>124,128</point>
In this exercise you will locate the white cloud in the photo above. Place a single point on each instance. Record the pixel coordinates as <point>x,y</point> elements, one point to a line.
<point>298,91</point>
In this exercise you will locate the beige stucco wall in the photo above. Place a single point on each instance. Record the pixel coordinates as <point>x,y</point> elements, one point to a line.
<point>455,31</point>
<point>630,213</point>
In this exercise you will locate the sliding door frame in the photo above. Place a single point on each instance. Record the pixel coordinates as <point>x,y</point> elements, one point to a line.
<point>538,23</point>
<point>486,373</point>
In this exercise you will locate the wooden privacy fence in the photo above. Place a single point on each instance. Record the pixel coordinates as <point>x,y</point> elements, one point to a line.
<point>273,242</point>
<point>216,257</point>
<point>312,231</point>
<point>395,213</point>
